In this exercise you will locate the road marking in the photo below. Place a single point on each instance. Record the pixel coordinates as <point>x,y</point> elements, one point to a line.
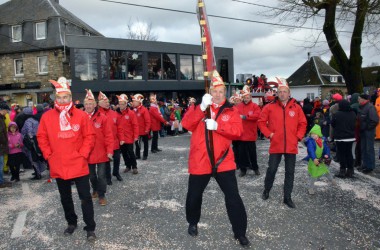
<point>19,225</point>
<point>25,188</point>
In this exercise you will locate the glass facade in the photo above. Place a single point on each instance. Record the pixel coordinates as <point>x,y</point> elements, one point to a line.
<point>128,65</point>
<point>186,64</point>
<point>86,64</point>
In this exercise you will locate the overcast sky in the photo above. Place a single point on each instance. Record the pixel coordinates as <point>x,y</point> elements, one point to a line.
<point>258,48</point>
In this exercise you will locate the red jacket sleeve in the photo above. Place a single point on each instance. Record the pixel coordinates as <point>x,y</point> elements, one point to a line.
<point>155,113</point>
<point>43,139</point>
<point>147,120</point>
<point>88,134</point>
<point>120,131</point>
<point>135,125</point>
<point>302,124</point>
<point>256,113</point>
<point>108,135</point>
<point>263,121</point>
<point>192,117</point>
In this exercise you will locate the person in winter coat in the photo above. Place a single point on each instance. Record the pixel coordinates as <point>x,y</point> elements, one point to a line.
<point>4,108</point>
<point>15,155</point>
<point>284,123</point>
<point>354,104</point>
<point>317,153</point>
<point>249,113</point>
<point>307,109</point>
<point>156,120</point>
<point>143,118</point>
<point>368,122</point>
<point>130,135</point>
<point>103,149</point>
<point>114,119</point>
<point>32,150</point>
<point>66,138</point>
<point>377,106</point>
<point>226,125</point>
<point>343,123</point>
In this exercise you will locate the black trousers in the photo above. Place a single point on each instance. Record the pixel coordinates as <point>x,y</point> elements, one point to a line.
<point>83,188</point>
<point>247,155</point>
<point>290,163</point>
<point>154,141</point>
<point>128,156</point>
<point>234,204</point>
<point>116,164</point>
<point>346,159</point>
<point>235,148</point>
<point>145,140</point>
<point>14,163</point>
<point>98,178</point>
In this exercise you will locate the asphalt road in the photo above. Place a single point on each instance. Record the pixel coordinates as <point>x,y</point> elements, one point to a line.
<point>146,211</point>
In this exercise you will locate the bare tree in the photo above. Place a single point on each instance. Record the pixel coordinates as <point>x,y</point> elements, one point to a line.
<point>355,18</point>
<point>140,31</point>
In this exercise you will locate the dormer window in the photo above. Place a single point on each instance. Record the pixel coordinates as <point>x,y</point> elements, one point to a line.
<point>333,79</point>
<point>40,30</point>
<point>16,33</point>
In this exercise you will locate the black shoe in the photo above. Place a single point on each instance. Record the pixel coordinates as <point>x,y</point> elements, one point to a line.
<point>243,241</point>
<point>367,171</point>
<point>154,151</point>
<point>257,172</point>
<point>242,173</point>
<point>70,230</point>
<point>265,195</point>
<point>36,177</point>
<point>350,173</point>
<point>193,230</point>
<point>137,157</point>
<point>341,174</point>
<point>289,203</point>
<point>145,158</point>
<point>158,150</point>
<point>12,178</point>
<point>109,182</point>
<point>118,177</point>
<point>91,236</point>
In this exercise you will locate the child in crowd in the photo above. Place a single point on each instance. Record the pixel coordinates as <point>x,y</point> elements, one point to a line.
<point>318,157</point>
<point>15,156</point>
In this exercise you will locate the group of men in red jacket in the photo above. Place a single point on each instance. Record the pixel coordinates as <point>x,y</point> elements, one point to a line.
<point>79,146</point>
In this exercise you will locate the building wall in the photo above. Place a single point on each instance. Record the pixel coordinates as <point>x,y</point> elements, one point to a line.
<point>326,91</point>
<point>300,93</point>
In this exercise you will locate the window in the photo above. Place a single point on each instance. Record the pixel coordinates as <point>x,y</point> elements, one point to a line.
<point>103,64</point>
<point>186,67</point>
<point>16,33</point>
<point>118,68</point>
<point>198,68</point>
<point>162,66</point>
<point>42,64</point>
<point>41,31</point>
<point>134,65</point>
<point>19,67</point>
<point>310,96</point>
<point>86,64</point>
<point>333,79</point>
<point>154,66</point>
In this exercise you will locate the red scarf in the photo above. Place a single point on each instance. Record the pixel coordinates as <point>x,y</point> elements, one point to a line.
<point>215,108</point>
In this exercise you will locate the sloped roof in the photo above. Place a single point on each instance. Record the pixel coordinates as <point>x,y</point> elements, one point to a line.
<point>314,72</point>
<point>35,10</point>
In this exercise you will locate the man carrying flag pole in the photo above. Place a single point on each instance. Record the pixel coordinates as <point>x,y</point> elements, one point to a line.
<point>214,120</point>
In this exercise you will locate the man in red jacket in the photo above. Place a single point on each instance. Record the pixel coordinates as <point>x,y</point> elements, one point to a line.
<point>156,121</point>
<point>143,118</point>
<point>66,138</point>
<point>249,113</point>
<point>284,123</point>
<point>226,126</point>
<point>130,125</point>
<point>113,117</point>
<point>103,150</point>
